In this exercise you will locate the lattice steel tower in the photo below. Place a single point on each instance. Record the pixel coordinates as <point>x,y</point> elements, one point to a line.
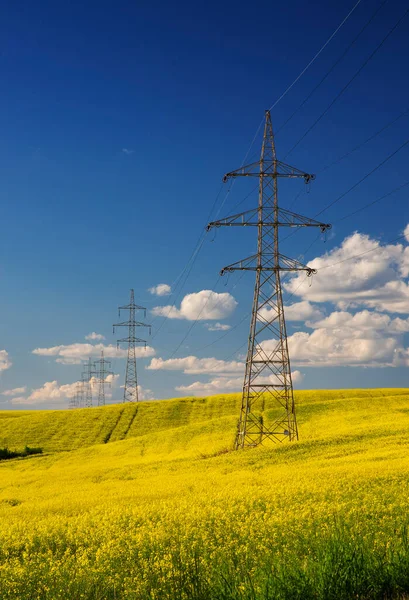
<point>268,373</point>
<point>131,380</point>
<point>102,369</point>
<point>87,383</point>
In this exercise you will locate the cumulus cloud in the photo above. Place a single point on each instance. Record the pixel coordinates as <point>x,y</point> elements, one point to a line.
<point>215,386</point>
<point>331,347</point>
<point>5,362</point>
<point>94,336</point>
<point>297,377</point>
<point>373,278</point>
<point>56,394</point>
<point>191,365</point>
<point>74,354</point>
<point>51,391</point>
<point>222,384</point>
<point>162,289</point>
<point>144,393</point>
<point>299,311</point>
<point>14,391</point>
<point>369,323</point>
<point>203,306</point>
<point>217,326</point>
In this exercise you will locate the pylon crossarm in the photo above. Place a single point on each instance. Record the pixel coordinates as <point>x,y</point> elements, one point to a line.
<point>251,218</point>
<point>131,306</point>
<point>269,168</point>
<point>131,323</point>
<point>252,264</point>
<point>241,219</point>
<point>290,219</point>
<point>246,171</point>
<point>128,340</point>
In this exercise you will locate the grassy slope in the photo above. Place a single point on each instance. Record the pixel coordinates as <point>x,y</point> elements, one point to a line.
<point>149,517</point>
<point>56,431</point>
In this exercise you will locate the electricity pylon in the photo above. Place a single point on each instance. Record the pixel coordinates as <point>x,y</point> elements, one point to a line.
<point>102,370</point>
<point>268,373</point>
<point>131,380</point>
<point>79,394</point>
<point>87,383</point>
<point>73,403</point>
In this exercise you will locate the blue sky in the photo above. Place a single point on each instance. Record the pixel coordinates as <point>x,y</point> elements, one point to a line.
<point>118,121</point>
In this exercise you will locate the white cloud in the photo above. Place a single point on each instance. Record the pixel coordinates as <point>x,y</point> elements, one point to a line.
<point>5,362</point>
<point>162,289</point>
<point>51,391</point>
<point>127,151</point>
<point>218,327</point>
<point>374,279</point>
<point>74,354</point>
<point>368,323</point>
<point>331,347</point>
<point>191,365</point>
<point>299,311</point>
<point>224,384</point>
<point>406,232</point>
<point>366,338</point>
<point>144,393</point>
<point>204,305</point>
<point>297,377</point>
<point>56,394</point>
<point>94,336</point>
<point>14,391</point>
<point>19,400</point>
<point>215,386</point>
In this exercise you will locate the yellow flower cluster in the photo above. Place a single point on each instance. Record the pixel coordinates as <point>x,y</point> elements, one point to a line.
<point>150,517</point>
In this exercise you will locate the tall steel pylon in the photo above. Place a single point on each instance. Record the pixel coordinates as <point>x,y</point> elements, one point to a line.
<point>268,373</point>
<point>87,374</point>
<point>102,368</point>
<point>131,380</point>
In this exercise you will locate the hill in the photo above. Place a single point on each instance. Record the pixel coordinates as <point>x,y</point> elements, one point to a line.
<point>63,430</point>
<point>159,510</point>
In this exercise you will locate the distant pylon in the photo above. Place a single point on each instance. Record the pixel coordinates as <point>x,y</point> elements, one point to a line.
<point>268,372</point>
<point>79,394</point>
<point>73,403</point>
<point>131,380</point>
<point>87,383</point>
<point>102,370</point>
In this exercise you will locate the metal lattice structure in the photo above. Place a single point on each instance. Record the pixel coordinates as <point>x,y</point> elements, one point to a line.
<point>73,402</point>
<point>131,379</point>
<point>102,368</point>
<point>86,381</point>
<point>268,373</point>
<point>79,394</point>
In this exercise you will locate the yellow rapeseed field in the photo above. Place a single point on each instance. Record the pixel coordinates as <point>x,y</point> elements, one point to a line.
<point>145,501</point>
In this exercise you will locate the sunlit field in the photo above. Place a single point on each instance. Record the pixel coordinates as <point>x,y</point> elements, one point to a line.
<point>146,501</point>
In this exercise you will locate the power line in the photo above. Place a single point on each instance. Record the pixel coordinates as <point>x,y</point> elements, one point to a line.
<point>316,56</point>
<point>364,177</point>
<point>372,137</point>
<point>362,253</point>
<point>300,75</point>
<point>335,64</point>
<point>346,86</point>
<point>373,202</point>
<point>195,321</point>
<point>356,185</point>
